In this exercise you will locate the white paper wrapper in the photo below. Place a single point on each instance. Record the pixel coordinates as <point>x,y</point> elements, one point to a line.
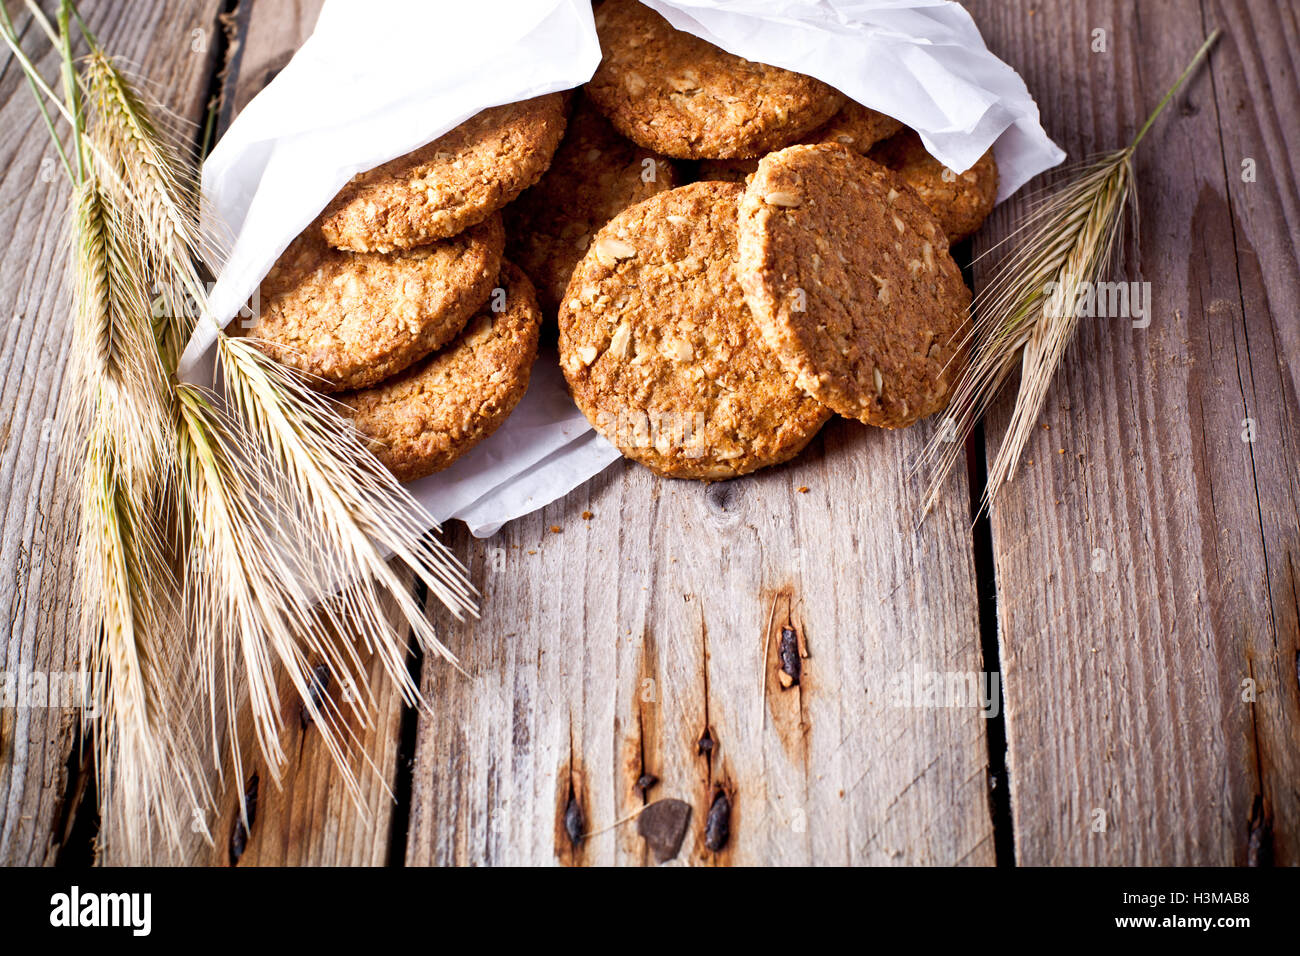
<point>379,78</point>
<point>922,62</point>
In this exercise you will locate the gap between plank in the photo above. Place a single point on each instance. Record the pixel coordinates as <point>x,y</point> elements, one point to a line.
<point>986,591</point>
<point>408,734</point>
<point>986,597</point>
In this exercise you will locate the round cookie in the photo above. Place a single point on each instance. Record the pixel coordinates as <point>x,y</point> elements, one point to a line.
<point>661,352</point>
<point>857,127</point>
<point>960,201</point>
<point>447,186</point>
<point>427,417</point>
<point>596,174</point>
<point>674,93</point>
<point>350,319</point>
<point>849,276</point>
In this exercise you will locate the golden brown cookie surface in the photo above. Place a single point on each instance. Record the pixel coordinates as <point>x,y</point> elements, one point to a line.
<point>427,417</point>
<point>961,201</point>
<point>662,354</point>
<point>857,127</point>
<point>675,93</point>
<point>352,319</point>
<point>854,126</point>
<point>447,186</point>
<point>849,276</point>
<point>596,174</point>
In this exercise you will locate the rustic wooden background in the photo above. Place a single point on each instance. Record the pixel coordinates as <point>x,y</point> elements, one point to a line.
<point>1142,567</point>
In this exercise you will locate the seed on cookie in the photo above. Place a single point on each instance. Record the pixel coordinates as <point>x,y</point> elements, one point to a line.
<point>350,319</point>
<point>960,201</point>
<point>424,419</point>
<point>674,93</point>
<point>596,173</point>
<point>662,354</point>
<point>453,183</point>
<point>882,333</point>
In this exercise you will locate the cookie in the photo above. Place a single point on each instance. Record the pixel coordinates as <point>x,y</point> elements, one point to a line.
<point>663,356</point>
<point>855,126</point>
<point>350,319</point>
<point>455,182</point>
<point>427,417</point>
<point>596,174</point>
<point>681,96</point>
<point>961,201</point>
<point>849,276</point>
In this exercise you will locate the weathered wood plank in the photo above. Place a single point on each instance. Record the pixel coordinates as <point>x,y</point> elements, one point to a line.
<point>1257,99</point>
<point>1144,554</point>
<point>310,819</point>
<point>37,518</point>
<point>270,33</point>
<point>609,649</point>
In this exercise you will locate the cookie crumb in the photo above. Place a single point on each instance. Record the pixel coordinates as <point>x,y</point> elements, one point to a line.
<point>587,516</point>
<point>555,529</point>
<point>802,489</point>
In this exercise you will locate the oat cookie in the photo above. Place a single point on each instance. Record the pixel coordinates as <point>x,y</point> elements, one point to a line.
<point>855,126</point>
<point>427,417</point>
<point>596,174</point>
<point>672,92</point>
<point>661,352</point>
<point>961,201</point>
<point>453,183</point>
<point>849,276</point>
<point>350,319</point>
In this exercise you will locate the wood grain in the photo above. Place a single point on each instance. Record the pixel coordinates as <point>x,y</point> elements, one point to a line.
<point>1145,555</point>
<point>1145,560</point>
<point>644,641</point>
<point>310,819</point>
<point>268,34</point>
<point>37,518</point>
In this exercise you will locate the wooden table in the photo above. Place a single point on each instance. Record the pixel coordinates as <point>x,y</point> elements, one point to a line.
<point>1136,587</point>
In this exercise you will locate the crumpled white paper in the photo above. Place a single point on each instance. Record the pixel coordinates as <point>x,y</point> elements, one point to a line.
<point>378,78</point>
<point>920,61</point>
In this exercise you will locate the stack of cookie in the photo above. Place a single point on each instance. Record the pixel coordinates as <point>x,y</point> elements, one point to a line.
<point>713,329</point>
<point>707,328</point>
<point>400,297</point>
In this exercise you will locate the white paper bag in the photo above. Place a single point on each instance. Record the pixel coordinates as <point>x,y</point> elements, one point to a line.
<point>379,78</point>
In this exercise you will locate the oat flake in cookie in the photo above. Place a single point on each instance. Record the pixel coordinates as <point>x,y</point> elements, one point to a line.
<point>849,276</point>
<point>661,352</point>
<point>673,92</point>
<point>596,174</point>
<point>453,183</point>
<point>427,417</point>
<point>350,319</point>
